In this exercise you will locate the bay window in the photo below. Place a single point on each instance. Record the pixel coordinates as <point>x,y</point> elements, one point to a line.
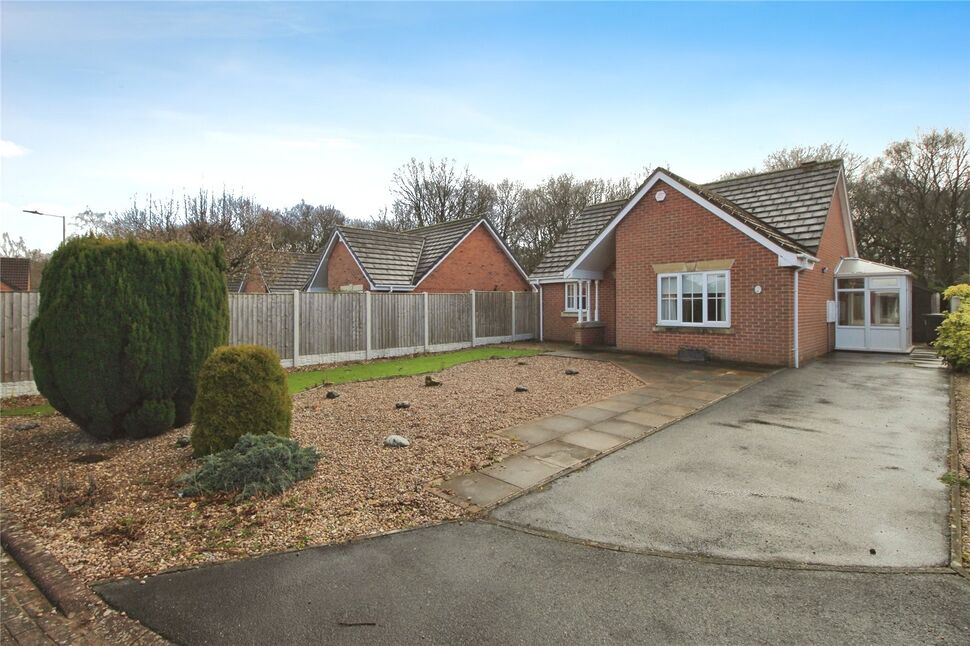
<point>700,299</point>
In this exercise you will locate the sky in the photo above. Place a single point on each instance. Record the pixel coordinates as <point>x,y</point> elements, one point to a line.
<point>102,102</point>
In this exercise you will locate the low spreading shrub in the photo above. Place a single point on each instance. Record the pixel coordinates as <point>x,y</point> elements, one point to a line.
<point>242,390</point>
<point>953,338</point>
<point>256,465</point>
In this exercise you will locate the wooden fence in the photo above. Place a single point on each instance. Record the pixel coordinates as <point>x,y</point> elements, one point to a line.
<point>313,328</point>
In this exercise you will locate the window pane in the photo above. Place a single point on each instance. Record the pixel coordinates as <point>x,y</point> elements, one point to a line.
<point>668,285</point>
<point>852,308</point>
<point>851,283</point>
<point>692,310</point>
<point>883,282</point>
<point>884,308</point>
<point>716,309</point>
<point>716,284</point>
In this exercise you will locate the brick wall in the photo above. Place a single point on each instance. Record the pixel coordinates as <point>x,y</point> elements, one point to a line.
<point>478,263</point>
<point>342,269</point>
<point>561,328</point>
<point>815,287</point>
<point>679,230</point>
<point>254,283</point>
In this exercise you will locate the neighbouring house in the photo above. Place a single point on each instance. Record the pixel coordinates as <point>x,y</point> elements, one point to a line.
<point>276,271</point>
<point>742,269</point>
<point>456,256</point>
<point>15,275</point>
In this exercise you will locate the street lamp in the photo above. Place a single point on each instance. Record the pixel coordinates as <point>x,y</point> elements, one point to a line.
<point>51,215</point>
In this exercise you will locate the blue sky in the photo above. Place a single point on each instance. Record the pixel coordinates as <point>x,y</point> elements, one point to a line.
<point>323,102</point>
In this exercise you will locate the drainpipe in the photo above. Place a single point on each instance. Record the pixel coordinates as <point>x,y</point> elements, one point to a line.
<point>795,326</point>
<point>541,303</point>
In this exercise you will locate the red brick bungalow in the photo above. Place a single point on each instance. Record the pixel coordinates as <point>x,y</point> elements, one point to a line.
<point>740,269</point>
<point>456,256</point>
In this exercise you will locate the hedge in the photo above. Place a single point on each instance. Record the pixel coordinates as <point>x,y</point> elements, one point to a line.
<point>122,330</point>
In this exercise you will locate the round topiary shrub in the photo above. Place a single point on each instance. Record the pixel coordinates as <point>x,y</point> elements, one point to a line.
<point>242,390</point>
<point>122,330</point>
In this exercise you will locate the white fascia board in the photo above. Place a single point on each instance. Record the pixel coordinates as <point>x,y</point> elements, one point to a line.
<point>847,214</point>
<point>583,274</point>
<point>550,280</point>
<point>785,258</point>
<point>326,256</point>
<point>501,244</point>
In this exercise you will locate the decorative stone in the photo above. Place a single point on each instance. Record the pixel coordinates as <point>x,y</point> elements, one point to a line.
<point>402,405</point>
<point>332,394</point>
<point>182,441</point>
<point>26,426</point>
<point>570,371</point>
<point>521,363</point>
<point>396,441</point>
<point>521,389</point>
<point>431,381</point>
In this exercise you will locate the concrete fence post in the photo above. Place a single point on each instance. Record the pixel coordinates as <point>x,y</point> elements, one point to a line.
<point>427,336</point>
<point>472,293</point>
<point>513,314</point>
<point>296,327</point>
<point>367,324</point>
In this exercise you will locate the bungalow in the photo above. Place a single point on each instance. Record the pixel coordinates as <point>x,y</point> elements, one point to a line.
<point>742,269</point>
<point>277,271</point>
<point>456,256</point>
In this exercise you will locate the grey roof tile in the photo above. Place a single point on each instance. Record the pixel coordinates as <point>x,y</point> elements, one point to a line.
<point>439,239</point>
<point>577,237</point>
<point>388,257</point>
<point>285,271</point>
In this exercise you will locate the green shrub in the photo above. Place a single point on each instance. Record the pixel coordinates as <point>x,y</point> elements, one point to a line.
<point>242,389</point>
<point>962,291</point>
<point>953,338</point>
<point>257,465</point>
<point>122,330</point>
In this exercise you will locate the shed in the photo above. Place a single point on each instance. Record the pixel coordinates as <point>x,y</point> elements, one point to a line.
<point>873,307</point>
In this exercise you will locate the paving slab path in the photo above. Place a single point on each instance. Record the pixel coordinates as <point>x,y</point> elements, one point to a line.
<point>699,533</point>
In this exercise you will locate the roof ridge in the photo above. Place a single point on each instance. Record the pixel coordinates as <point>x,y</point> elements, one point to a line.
<point>342,227</point>
<point>441,224</point>
<point>802,166</point>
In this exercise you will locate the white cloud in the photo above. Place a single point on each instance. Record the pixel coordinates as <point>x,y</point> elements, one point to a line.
<point>10,149</point>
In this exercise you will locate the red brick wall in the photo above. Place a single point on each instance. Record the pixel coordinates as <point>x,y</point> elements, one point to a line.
<point>815,287</point>
<point>679,230</point>
<point>254,283</point>
<point>555,326</point>
<point>342,269</point>
<point>477,263</point>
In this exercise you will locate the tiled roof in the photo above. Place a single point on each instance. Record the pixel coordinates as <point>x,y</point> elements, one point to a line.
<point>388,257</point>
<point>794,201</point>
<point>577,237</point>
<point>15,272</point>
<point>439,239</point>
<point>285,271</point>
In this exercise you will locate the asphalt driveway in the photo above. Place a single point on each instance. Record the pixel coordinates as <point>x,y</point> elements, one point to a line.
<point>835,463</point>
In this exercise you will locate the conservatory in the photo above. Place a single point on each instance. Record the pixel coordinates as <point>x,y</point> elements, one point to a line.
<point>872,305</point>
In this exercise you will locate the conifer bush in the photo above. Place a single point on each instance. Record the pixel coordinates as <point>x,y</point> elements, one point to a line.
<point>122,330</point>
<point>256,465</point>
<point>953,336</point>
<point>242,389</point>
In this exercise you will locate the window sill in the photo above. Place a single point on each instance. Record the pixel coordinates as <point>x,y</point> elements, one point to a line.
<point>691,329</point>
<point>567,313</point>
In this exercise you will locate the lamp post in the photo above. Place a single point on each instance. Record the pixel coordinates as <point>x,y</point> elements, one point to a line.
<point>51,215</point>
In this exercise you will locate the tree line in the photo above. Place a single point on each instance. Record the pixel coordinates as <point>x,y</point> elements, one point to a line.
<point>911,206</point>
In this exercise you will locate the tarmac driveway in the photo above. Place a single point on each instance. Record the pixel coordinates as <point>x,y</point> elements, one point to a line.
<point>835,463</point>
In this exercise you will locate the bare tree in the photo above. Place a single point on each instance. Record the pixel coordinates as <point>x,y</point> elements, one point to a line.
<point>436,193</point>
<point>797,155</point>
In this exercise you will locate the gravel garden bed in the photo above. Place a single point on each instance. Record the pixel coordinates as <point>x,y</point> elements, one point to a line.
<point>111,509</point>
<point>962,395</point>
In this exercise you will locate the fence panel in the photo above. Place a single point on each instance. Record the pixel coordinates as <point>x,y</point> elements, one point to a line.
<point>526,313</point>
<point>332,323</point>
<point>19,309</point>
<point>493,314</point>
<point>397,321</point>
<point>449,318</point>
<point>263,319</point>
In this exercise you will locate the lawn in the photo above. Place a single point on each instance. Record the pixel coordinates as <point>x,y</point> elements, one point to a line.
<point>381,369</point>
<point>406,367</point>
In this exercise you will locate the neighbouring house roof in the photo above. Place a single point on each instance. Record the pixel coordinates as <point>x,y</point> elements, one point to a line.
<point>795,201</point>
<point>15,273</point>
<point>861,267</point>
<point>282,271</point>
<point>577,237</point>
<point>404,258</point>
<point>787,208</point>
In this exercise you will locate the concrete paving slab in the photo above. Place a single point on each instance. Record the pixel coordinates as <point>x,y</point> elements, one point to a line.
<point>687,402</point>
<point>717,387</point>
<point>531,434</point>
<point>563,424</point>
<point>653,391</point>
<point>636,398</point>
<point>836,463</point>
<point>644,418</point>
<point>616,405</point>
<point>590,413</point>
<point>521,470</point>
<point>561,454</point>
<point>596,440</point>
<point>477,583</point>
<point>667,410</point>
<point>478,489</point>
<point>702,394</point>
<point>628,430</point>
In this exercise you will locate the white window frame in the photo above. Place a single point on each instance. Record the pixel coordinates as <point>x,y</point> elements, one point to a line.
<point>680,300</point>
<point>574,292</point>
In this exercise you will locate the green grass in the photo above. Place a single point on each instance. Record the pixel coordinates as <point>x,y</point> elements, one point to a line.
<point>404,367</point>
<point>41,410</point>
<point>950,478</point>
